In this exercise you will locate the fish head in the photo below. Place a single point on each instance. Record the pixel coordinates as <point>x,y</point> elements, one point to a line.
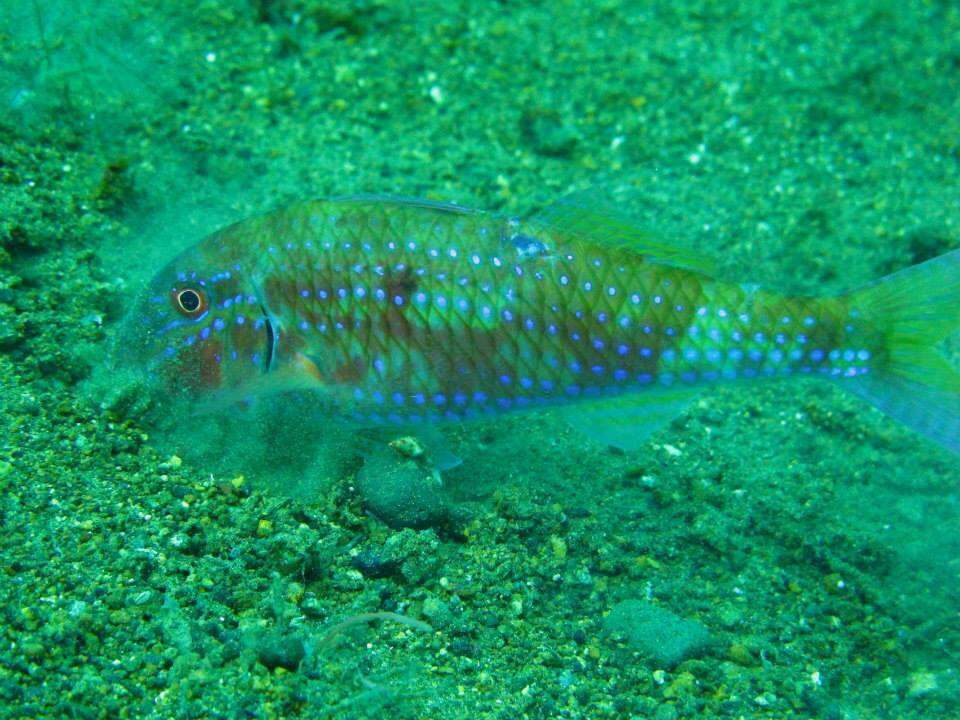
<point>200,327</point>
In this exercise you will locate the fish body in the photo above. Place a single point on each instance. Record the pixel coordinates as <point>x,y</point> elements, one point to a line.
<point>409,311</point>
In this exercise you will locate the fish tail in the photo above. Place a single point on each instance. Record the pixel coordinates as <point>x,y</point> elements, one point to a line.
<point>916,310</point>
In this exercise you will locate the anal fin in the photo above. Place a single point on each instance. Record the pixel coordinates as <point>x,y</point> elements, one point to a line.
<point>627,421</point>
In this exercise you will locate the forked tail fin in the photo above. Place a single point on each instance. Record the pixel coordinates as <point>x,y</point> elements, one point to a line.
<point>917,308</point>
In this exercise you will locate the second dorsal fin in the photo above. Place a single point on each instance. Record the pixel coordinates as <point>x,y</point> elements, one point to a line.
<point>600,225</point>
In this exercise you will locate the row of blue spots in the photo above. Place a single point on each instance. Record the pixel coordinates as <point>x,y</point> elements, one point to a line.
<point>238,299</point>
<point>218,324</point>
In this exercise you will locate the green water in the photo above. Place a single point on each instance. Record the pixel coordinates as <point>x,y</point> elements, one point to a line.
<point>778,551</point>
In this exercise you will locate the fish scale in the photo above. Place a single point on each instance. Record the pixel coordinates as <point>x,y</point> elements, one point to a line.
<point>408,311</point>
<point>453,319</point>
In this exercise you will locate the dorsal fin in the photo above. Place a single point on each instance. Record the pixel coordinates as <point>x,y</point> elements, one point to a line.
<point>607,227</point>
<point>444,207</point>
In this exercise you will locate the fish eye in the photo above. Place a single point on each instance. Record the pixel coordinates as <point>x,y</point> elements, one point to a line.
<point>190,302</point>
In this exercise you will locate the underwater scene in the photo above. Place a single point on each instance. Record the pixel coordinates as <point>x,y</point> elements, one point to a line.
<point>464,360</point>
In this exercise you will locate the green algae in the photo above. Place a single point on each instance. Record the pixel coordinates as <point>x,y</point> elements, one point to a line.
<point>813,146</point>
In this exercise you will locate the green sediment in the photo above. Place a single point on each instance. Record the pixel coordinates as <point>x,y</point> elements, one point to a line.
<point>813,149</point>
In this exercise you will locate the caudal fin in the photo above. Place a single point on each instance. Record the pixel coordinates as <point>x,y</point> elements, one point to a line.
<point>918,308</point>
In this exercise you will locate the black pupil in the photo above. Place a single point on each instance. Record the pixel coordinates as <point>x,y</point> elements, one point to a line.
<point>189,300</point>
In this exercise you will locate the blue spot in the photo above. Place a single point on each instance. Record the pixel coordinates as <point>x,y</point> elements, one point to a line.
<point>218,324</point>
<point>526,382</point>
<point>620,374</point>
<point>863,355</point>
<point>305,293</point>
<point>645,352</point>
<point>546,384</point>
<point>503,402</point>
<point>597,369</point>
<point>505,379</point>
<point>419,398</point>
<point>623,349</point>
<point>755,355</point>
<point>689,376</point>
<point>397,398</point>
<point>377,397</point>
<point>205,333</point>
<point>598,344</point>
<point>644,378</point>
<point>459,398</point>
<point>480,397</point>
<point>575,366</point>
<point>439,399</point>
<point>572,389</point>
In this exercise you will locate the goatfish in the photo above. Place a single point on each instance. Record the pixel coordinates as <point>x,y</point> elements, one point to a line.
<point>405,312</point>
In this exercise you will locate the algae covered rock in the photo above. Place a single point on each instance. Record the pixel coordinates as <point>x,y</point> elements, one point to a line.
<point>664,637</point>
<point>401,487</point>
